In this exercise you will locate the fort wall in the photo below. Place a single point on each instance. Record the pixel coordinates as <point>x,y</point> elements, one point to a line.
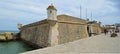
<point>36,33</point>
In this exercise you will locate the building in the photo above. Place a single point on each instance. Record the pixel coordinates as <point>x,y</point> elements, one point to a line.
<point>94,28</point>
<point>56,29</point>
<point>113,28</point>
<point>117,26</point>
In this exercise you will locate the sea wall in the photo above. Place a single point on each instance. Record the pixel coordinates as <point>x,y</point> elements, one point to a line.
<point>36,33</point>
<point>50,33</point>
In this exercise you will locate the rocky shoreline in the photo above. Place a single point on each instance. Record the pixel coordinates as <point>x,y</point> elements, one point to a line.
<point>8,36</point>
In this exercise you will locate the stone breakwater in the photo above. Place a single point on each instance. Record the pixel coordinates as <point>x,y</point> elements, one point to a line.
<point>6,36</point>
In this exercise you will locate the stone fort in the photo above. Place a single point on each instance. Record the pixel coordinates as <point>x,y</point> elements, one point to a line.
<point>57,29</point>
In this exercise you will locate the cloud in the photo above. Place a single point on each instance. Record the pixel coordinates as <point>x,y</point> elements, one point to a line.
<point>33,8</point>
<point>116,3</point>
<point>29,11</point>
<point>12,13</point>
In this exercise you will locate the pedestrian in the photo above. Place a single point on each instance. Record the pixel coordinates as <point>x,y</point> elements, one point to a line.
<point>105,31</point>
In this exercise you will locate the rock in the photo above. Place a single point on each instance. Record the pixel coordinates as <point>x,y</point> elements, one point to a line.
<point>2,38</point>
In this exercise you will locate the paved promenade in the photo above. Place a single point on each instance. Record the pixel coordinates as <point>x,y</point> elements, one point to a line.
<point>100,44</point>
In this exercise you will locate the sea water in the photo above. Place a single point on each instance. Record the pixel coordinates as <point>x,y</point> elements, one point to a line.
<point>13,47</point>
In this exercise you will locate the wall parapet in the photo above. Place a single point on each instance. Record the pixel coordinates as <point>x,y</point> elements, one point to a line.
<point>35,24</point>
<point>47,21</point>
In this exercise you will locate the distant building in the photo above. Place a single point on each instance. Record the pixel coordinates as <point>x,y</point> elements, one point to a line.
<point>112,28</point>
<point>117,26</point>
<point>56,29</point>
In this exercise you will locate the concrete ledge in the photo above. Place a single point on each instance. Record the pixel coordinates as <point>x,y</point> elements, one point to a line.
<point>100,44</point>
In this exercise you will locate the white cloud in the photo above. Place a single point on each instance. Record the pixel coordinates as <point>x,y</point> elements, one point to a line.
<point>35,8</point>
<point>28,11</point>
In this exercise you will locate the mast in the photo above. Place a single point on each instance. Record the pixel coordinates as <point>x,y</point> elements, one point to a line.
<point>91,16</point>
<point>80,11</point>
<point>86,12</point>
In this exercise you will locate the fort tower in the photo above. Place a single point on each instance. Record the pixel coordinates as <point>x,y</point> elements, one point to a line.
<point>52,12</point>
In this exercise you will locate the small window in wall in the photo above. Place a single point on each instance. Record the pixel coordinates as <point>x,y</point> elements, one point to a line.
<point>50,11</point>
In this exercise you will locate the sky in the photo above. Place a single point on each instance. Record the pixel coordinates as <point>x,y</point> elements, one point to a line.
<point>29,11</point>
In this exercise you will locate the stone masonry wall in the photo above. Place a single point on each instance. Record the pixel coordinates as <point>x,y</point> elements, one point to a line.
<point>50,32</point>
<point>36,34</point>
<point>70,32</point>
<point>71,28</point>
<point>95,28</point>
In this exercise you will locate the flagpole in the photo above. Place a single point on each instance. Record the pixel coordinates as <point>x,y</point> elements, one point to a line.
<point>81,9</point>
<point>80,12</point>
<point>91,16</point>
<point>86,12</point>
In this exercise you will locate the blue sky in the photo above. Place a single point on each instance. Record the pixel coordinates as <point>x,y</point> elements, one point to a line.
<point>29,11</point>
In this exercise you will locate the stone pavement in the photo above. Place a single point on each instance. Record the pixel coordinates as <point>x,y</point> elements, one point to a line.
<point>100,44</point>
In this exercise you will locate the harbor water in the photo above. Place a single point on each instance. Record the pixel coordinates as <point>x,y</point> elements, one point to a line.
<point>13,47</point>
